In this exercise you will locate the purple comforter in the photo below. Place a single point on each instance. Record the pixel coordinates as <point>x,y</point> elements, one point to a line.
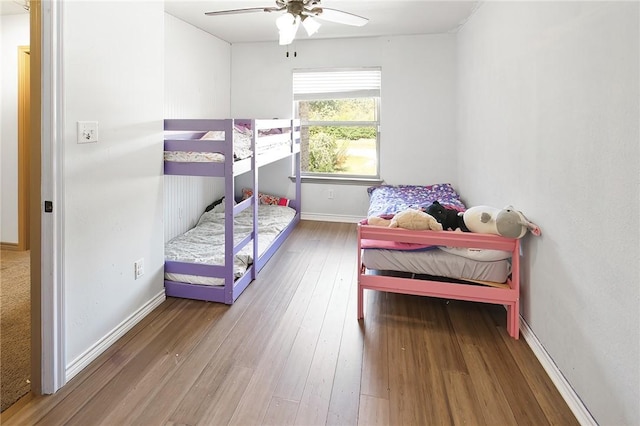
<point>391,199</point>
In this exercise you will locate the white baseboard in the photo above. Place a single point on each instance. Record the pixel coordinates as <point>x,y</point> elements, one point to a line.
<point>322,217</point>
<point>78,364</point>
<point>570,396</point>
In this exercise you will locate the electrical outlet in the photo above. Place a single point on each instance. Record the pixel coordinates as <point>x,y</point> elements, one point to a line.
<point>330,194</point>
<point>87,131</point>
<point>138,266</point>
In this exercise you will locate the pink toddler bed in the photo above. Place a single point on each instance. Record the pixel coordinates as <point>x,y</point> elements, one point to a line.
<point>447,264</point>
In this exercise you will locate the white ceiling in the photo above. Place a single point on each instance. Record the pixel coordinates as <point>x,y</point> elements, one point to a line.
<point>386,17</point>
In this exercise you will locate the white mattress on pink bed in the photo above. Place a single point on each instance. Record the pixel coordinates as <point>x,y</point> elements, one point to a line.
<point>437,263</point>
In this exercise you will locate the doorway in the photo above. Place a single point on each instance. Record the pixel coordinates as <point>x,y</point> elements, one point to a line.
<point>42,231</point>
<point>16,281</point>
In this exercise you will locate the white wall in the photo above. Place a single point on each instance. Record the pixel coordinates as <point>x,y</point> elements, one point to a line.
<point>197,84</point>
<point>113,73</point>
<point>548,120</point>
<point>14,32</point>
<point>417,113</point>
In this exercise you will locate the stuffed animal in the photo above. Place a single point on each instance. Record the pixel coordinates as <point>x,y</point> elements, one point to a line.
<point>414,219</point>
<point>506,222</point>
<point>448,217</point>
<point>378,221</point>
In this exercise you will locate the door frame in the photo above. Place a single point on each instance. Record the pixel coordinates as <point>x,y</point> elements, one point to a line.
<point>47,228</point>
<point>24,120</point>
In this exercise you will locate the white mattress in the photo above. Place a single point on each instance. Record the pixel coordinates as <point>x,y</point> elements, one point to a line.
<point>241,147</point>
<point>205,243</point>
<point>436,262</point>
<point>193,157</point>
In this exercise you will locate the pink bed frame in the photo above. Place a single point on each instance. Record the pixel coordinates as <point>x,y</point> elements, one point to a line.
<point>509,296</point>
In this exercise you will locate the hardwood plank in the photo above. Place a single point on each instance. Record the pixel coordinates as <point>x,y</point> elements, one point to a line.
<point>314,404</point>
<point>291,381</point>
<point>294,375</point>
<point>223,402</point>
<point>409,402</point>
<point>464,406</point>
<point>479,325</point>
<point>345,395</point>
<point>281,412</point>
<point>439,333</point>
<point>443,356</point>
<point>373,411</point>
<point>487,388</point>
<point>246,338</point>
<point>469,323</point>
<point>267,372</point>
<point>254,403</point>
<point>522,401</point>
<point>420,341</point>
<point>172,388</point>
<point>293,378</point>
<point>375,362</point>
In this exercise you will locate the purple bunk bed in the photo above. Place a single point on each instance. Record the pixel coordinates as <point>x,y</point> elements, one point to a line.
<point>227,148</point>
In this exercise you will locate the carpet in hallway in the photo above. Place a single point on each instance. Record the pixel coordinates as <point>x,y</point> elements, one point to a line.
<point>15,328</point>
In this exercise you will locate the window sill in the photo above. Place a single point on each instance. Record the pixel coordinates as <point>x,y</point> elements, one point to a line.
<point>339,180</point>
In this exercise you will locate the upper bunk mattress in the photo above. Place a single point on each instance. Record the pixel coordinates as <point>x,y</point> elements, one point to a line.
<point>266,142</point>
<point>204,243</point>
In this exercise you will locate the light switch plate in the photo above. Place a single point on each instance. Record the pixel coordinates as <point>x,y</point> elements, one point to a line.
<point>87,131</point>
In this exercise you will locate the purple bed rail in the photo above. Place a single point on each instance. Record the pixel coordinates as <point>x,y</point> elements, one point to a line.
<point>184,138</point>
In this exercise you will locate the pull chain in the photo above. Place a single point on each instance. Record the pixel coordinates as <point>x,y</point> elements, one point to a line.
<point>295,53</point>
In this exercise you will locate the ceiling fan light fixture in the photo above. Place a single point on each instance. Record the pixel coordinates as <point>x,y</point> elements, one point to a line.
<point>310,25</point>
<point>287,27</point>
<point>285,21</point>
<point>307,12</point>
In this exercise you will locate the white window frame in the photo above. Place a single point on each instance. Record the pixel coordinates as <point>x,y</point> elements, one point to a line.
<point>342,83</point>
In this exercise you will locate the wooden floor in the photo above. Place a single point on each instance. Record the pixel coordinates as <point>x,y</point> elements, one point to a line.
<point>291,352</point>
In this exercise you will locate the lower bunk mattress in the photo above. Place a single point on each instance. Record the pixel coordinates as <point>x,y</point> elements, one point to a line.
<point>204,244</point>
<point>436,262</point>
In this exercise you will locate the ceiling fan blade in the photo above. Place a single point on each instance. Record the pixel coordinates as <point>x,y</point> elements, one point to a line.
<point>341,17</point>
<point>245,10</point>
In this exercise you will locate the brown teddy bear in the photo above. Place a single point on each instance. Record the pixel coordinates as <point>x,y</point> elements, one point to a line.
<point>413,219</point>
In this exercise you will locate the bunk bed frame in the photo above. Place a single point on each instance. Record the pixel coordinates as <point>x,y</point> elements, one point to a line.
<point>508,295</point>
<point>228,170</point>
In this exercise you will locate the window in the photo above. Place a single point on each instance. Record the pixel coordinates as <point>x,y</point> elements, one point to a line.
<point>339,112</point>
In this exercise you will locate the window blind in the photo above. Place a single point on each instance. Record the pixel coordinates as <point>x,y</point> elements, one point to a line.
<point>336,84</point>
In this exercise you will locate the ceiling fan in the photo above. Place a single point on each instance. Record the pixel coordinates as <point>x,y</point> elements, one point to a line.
<point>305,12</point>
